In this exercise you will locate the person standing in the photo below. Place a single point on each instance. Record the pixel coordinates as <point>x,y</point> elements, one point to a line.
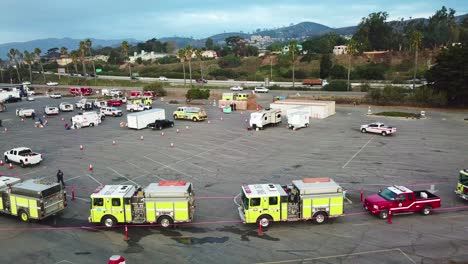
<point>33,115</point>
<point>60,177</point>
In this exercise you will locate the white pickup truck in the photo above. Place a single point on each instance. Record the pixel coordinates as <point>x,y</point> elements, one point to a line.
<point>138,107</point>
<point>23,156</point>
<point>100,103</point>
<point>66,107</point>
<point>24,112</point>
<point>51,110</point>
<point>378,128</point>
<point>111,111</point>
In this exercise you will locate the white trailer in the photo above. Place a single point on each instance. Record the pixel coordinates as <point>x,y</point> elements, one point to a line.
<point>298,117</point>
<point>141,120</point>
<point>260,119</point>
<point>317,109</point>
<point>6,94</point>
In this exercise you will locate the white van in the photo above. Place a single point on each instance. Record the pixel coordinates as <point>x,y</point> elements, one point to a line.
<point>86,119</point>
<point>260,119</point>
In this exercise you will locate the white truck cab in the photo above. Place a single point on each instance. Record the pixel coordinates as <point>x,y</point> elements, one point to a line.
<point>24,112</point>
<point>84,119</point>
<point>378,128</point>
<point>23,156</point>
<point>111,111</point>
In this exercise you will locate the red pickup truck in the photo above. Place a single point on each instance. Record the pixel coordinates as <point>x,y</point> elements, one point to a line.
<point>400,199</point>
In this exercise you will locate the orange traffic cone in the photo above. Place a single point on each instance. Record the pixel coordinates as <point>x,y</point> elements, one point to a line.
<point>209,121</point>
<point>22,119</point>
<point>172,145</point>
<point>113,142</point>
<point>142,138</point>
<point>81,147</point>
<point>1,162</point>
<point>177,130</point>
<point>90,167</point>
<point>260,231</point>
<point>10,166</point>
<point>162,133</point>
<point>5,130</point>
<point>221,118</point>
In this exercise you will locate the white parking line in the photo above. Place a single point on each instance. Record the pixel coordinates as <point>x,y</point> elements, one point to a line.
<point>94,179</point>
<point>72,178</point>
<point>166,166</point>
<point>121,175</point>
<point>32,172</point>
<point>359,151</point>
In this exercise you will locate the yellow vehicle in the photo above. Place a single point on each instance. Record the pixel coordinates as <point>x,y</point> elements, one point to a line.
<point>242,96</point>
<point>164,203</point>
<point>462,186</point>
<point>147,100</point>
<point>315,199</point>
<point>143,100</point>
<point>191,113</point>
<point>31,199</point>
<point>235,96</point>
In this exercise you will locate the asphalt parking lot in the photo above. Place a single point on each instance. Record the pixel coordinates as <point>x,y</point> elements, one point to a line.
<point>221,155</point>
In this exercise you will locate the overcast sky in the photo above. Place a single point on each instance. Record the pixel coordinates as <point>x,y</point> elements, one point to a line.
<point>24,20</point>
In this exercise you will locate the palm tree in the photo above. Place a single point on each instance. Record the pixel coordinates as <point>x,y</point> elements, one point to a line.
<point>292,53</point>
<point>415,41</point>
<point>125,48</point>
<point>198,54</point>
<point>181,55</point>
<point>351,50</point>
<point>82,50</point>
<point>20,58</point>
<point>188,56</point>
<point>37,54</point>
<point>29,60</point>
<point>88,45</point>
<point>74,56</point>
<point>1,69</point>
<point>12,57</point>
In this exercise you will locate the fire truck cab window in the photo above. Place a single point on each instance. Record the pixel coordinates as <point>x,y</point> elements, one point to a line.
<point>254,201</point>
<point>273,200</point>
<point>115,202</point>
<point>98,201</point>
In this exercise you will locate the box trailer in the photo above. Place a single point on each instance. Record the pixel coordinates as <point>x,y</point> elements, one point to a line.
<point>141,120</point>
<point>317,109</point>
<point>298,117</point>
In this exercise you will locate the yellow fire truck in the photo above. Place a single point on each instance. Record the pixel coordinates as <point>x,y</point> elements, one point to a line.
<point>462,186</point>
<point>165,203</point>
<point>31,199</point>
<point>315,199</point>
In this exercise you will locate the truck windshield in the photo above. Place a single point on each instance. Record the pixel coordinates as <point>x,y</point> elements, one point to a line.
<point>245,201</point>
<point>388,195</point>
<point>463,179</point>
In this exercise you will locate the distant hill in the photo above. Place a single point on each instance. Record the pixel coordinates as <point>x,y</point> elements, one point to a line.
<point>45,44</point>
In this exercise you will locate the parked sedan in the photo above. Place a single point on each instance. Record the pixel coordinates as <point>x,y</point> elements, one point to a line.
<point>51,110</point>
<point>160,124</point>
<point>261,89</point>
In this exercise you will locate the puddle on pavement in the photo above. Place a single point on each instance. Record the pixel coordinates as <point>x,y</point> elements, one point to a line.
<point>201,241</point>
<point>245,234</point>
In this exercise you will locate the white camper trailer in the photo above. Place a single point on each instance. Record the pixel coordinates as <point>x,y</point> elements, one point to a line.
<point>260,119</point>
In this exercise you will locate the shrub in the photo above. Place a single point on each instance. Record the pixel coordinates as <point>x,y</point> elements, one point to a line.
<point>336,86</point>
<point>393,95</point>
<point>155,87</point>
<point>364,88</point>
<point>371,71</point>
<point>229,61</point>
<point>339,72</point>
<point>224,73</point>
<point>196,93</point>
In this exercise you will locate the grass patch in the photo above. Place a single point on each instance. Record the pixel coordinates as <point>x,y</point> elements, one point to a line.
<point>398,114</point>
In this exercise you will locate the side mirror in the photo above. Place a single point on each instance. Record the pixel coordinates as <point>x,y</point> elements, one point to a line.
<point>380,190</point>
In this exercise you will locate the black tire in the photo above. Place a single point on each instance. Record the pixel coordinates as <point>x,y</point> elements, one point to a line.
<point>23,215</point>
<point>172,124</point>
<point>320,218</point>
<point>108,221</point>
<point>265,221</point>
<point>194,119</point>
<point>383,214</point>
<point>165,221</point>
<point>131,110</point>
<point>113,114</point>
<point>6,159</point>
<point>175,117</point>
<point>426,210</point>
<point>306,125</point>
<point>363,130</point>
<point>91,125</point>
<point>22,164</point>
<point>159,127</point>
<point>384,133</point>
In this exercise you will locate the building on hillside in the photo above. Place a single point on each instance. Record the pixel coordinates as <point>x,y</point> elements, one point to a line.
<point>101,58</point>
<point>340,50</point>
<point>64,60</point>
<point>145,56</point>
<point>286,48</point>
<point>211,54</point>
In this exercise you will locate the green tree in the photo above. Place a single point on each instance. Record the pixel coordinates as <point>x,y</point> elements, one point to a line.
<point>449,74</point>
<point>292,53</point>
<point>441,29</point>
<point>188,57</point>
<point>351,50</point>
<point>198,54</point>
<point>139,60</point>
<point>209,44</point>
<point>1,70</point>
<point>74,56</point>
<point>195,93</point>
<point>416,39</point>
<point>28,57</point>
<point>229,61</point>
<point>181,55</point>
<point>124,47</point>
<point>82,49</point>
<point>37,54</point>
<point>325,66</point>
<point>89,43</point>
<point>12,56</point>
<point>373,33</point>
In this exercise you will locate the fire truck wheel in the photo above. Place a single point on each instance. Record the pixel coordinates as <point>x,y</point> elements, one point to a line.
<point>306,125</point>
<point>91,125</point>
<point>383,214</point>
<point>175,117</point>
<point>165,221</point>
<point>320,218</point>
<point>108,221</point>
<point>426,210</point>
<point>264,220</point>
<point>24,216</point>
<point>363,130</point>
<point>194,119</point>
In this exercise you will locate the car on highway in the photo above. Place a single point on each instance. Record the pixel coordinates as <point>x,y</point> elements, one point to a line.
<point>26,83</point>
<point>261,89</point>
<point>237,88</point>
<point>55,95</point>
<point>52,83</point>
<point>378,128</point>
<point>162,78</point>
<point>160,124</point>
<point>23,156</point>
<point>114,102</point>
<point>51,110</point>
<point>201,81</point>
<point>134,78</point>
